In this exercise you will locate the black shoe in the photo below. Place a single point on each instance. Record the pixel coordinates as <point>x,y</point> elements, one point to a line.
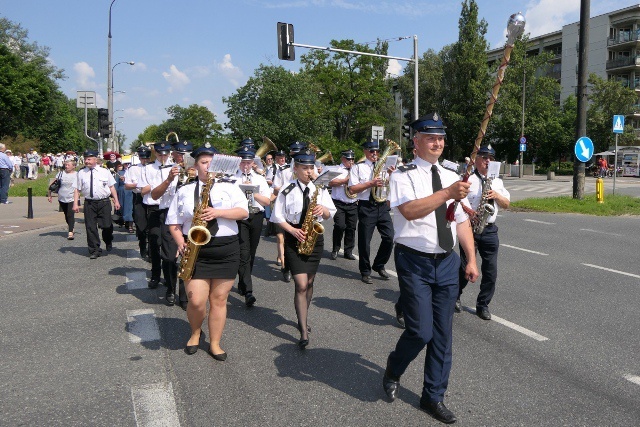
<point>458,306</point>
<point>334,255</point>
<point>391,385</point>
<point>349,256</point>
<point>154,283</point>
<point>382,272</point>
<point>399,316</point>
<point>367,279</point>
<point>249,299</point>
<point>192,349</point>
<point>144,255</point>
<point>220,357</point>
<point>483,313</point>
<point>171,299</point>
<point>109,247</point>
<point>94,255</point>
<point>303,344</point>
<point>286,275</point>
<point>438,411</point>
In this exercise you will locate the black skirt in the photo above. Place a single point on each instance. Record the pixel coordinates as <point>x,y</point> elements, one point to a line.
<point>302,264</point>
<point>218,259</point>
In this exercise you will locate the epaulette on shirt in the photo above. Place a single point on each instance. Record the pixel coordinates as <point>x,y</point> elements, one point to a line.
<point>409,167</point>
<point>360,162</point>
<point>287,166</point>
<point>289,188</point>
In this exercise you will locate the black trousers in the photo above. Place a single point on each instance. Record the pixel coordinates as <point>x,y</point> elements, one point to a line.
<point>97,214</point>
<point>249,231</point>
<point>345,221</point>
<point>69,214</point>
<point>370,216</point>
<point>487,244</point>
<point>154,232</point>
<point>168,252</point>
<point>140,219</point>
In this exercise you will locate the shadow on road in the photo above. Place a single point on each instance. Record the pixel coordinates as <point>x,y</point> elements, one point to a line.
<point>262,318</point>
<point>356,309</point>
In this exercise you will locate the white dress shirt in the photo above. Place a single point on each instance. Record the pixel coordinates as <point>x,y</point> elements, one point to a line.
<point>102,183</point>
<point>153,175</point>
<point>288,207</point>
<point>133,175</point>
<point>420,234</point>
<point>475,194</point>
<point>362,172</point>
<point>254,179</point>
<point>68,184</point>
<point>338,192</point>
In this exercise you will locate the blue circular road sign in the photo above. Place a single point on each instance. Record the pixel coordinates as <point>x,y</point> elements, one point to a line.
<point>584,149</point>
<point>523,140</point>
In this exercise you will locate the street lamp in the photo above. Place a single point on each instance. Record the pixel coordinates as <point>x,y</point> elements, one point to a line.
<point>110,89</point>
<point>119,91</point>
<point>116,139</point>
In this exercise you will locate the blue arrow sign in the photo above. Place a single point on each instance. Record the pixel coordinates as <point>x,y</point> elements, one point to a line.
<point>523,148</point>
<point>618,124</point>
<point>584,149</point>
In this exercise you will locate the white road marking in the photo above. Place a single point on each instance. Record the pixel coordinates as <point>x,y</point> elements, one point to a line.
<point>539,222</point>
<point>132,238</point>
<point>612,270</point>
<point>142,326</point>
<point>515,327</point>
<point>136,280</point>
<point>155,405</point>
<point>133,255</point>
<point>524,250</point>
<point>633,378</point>
<point>601,232</point>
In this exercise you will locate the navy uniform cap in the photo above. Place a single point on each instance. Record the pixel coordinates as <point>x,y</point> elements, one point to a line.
<point>183,147</point>
<point>90,153</point>
<point>143,152</point>
<point>205,149</point>
<point>247,142</point>
<point>296,146</point>
<point>430,124</point>
<point>162,147</point>
<point>349,154</point>
<point>487,149</point>
<point>280,153</point>
<point>372,144</point>
<point>305,157</point>
<point>246,153</point>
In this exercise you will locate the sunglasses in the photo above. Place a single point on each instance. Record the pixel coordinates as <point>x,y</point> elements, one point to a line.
<point>374,151</point>
<point>485,157</point>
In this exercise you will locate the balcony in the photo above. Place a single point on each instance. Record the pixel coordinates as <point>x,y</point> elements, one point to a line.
<point>623,38</point>
<point>623,62</point>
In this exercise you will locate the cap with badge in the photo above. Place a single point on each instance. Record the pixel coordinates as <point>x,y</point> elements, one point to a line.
<point>280,153</point>
<point>305,157</point>
<point>248,142</point>
<point>429,124</point>
<point>143,152</point>
<point>296,146</point>
<point>205,149</point>
<point>90,153</point>
<point>162,147</point>
<point>348,154</point>
<point>487,150</point>
<point>372,144</point>
<point>183,147</point>
<point>246,152</point>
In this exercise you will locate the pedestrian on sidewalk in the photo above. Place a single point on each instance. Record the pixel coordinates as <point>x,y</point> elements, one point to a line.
<point>68,184</point>
<point>6,167</point>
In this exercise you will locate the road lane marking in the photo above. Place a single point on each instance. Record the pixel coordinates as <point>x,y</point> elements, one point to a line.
<point>155,405</point>
<point>136,280</point>
<point>142,326</point>
<point>515,327</point>
<point>524,250</point>
<point>601,232</point>
<point>539,222</point>
<point>612,270</point>
<point>633,378</point>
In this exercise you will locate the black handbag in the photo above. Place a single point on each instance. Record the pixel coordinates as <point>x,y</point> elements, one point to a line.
<point>55,185</point>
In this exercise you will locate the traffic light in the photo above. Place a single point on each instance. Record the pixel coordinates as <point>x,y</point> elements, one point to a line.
<point>103,122</point>
<point>285,36</point>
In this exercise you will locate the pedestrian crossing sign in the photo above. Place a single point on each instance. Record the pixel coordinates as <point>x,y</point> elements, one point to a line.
<point>618,124</point>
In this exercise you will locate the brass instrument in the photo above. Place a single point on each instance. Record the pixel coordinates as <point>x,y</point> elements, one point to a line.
<point>379,194</point>
<point>485,209</point>
<point>348,193</point>
<point>267,145</point>
<point>313,147</point>
<point>310,226</point>
<point>172,133</point>
<point>325,158</point>
<point>198,234</point>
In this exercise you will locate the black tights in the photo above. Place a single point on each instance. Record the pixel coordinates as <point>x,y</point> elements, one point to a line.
<point>69,214</point>
<point>302,301</point>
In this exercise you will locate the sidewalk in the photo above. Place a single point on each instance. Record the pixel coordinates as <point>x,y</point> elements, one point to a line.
<point>558,178</point>
<point>13,217</point>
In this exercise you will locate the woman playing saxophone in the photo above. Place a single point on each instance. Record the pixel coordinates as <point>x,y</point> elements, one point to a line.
<point>218,260</point>
<point>298,208</point>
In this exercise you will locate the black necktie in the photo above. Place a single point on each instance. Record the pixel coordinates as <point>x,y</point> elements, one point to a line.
<point>305,204</point>
<point>445,238</point>
<point>91,185</point>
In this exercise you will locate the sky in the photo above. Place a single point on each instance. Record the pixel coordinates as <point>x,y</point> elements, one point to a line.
<point>199,51</point>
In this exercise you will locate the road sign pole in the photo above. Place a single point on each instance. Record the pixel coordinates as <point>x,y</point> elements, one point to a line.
<point>615,165</point>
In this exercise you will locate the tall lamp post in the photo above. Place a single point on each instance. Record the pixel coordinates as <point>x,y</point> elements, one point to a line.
<point>109,94</point>
<point>111,129</point>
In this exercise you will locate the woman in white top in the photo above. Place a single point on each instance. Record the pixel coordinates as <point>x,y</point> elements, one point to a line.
<point>68,183</point>
<point>218,261</point>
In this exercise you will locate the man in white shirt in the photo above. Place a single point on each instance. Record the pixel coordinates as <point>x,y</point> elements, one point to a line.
<point>345,220</point>
<point>132,177</point>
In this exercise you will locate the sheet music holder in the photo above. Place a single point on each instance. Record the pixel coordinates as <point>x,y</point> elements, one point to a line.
<point>326,177</point>
<point>250,188</point>
<point>391,161</point>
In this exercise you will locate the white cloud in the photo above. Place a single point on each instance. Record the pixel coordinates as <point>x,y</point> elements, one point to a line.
<point>230,71</point>
<point>546,16</point>
<point>139,66</point>
<point>177,79</point>
<point>84,76</point>
<point>137,113</point>
<point>394,68</point>
<point>207,103</point>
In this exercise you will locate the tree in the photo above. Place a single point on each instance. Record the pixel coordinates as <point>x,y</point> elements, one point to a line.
<point>465,82</point>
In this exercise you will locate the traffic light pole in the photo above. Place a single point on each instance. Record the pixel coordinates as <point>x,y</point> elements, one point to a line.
<point>86,133</point>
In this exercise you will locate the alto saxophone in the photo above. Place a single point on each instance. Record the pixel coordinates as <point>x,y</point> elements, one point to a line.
<point>379,194</point>
<point>485,209</point>
<point>310,226</point>
<point>198,235</point>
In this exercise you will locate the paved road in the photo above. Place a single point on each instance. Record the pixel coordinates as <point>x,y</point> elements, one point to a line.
<point>86,343</point>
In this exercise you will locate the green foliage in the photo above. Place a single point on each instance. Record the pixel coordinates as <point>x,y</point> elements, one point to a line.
<point>39,187</point>
<point>612,206</point>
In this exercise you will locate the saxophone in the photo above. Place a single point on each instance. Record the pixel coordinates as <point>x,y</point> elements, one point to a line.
<point>310,226</point>
<point>379,194</point>
<point>485,209</point>
<point>198,234</point>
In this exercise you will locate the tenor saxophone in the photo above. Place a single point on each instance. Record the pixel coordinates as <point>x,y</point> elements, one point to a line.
<point>379,194</point>
<point>198,234</point>
<point>485,209</point>
<point>310,226</point>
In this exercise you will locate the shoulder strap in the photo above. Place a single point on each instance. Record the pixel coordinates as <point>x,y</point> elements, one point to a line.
<point>409,167</point>
<point>289,188</point>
